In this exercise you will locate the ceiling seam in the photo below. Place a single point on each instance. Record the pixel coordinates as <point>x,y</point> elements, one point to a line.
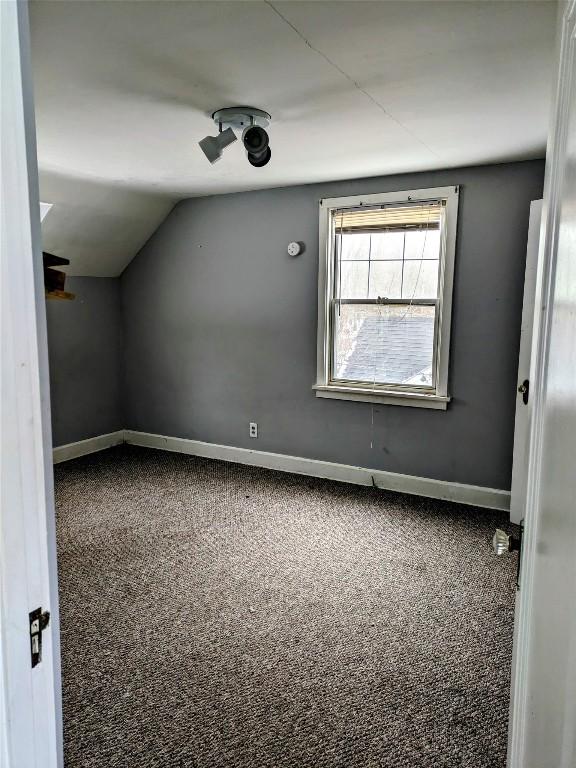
<point>351,80</point>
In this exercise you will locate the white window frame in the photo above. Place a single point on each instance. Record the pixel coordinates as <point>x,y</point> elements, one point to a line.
<point>398,394</point>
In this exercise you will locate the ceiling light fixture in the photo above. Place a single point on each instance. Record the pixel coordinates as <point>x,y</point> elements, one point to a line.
<point>212,146</point>
<point>251,122</point>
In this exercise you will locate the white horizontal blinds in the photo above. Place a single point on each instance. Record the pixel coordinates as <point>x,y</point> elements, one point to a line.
<point>387,261</point>
<point>398,218</point>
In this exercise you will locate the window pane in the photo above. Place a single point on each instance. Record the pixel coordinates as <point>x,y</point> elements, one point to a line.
<point>354,280</point>
<point>420,280</point>
<point>354,246</point>
<point>423,245</point>
<point>385,280</point>
<point>387,245</point>
<point>374,245</point>
<point>384,344</point>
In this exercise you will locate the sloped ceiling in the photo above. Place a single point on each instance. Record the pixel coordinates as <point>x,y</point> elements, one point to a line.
<point>97,224</point>
<point>124,91</point>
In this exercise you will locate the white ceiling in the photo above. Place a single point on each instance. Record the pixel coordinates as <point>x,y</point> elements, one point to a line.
<point>124,91</point>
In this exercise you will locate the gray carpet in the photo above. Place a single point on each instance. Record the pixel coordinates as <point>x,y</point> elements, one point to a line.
<point>220,616</point>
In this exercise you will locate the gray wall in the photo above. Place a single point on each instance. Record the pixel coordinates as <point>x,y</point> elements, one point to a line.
<point>85,347</point>
<point>220,330</point>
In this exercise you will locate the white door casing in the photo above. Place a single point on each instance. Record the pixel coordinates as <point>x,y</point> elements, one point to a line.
<point>30,706</point>
<point>523,411</point>
<point>543,709</point>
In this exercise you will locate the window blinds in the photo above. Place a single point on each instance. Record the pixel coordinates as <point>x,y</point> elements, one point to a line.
<point>402,218</point>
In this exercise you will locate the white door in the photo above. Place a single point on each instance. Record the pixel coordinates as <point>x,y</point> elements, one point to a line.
<point>30,727</point>
<point>543,713</point>
<point>523,401</point>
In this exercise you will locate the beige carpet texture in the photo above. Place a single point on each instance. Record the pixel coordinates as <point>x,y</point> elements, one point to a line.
<point>222,616</point>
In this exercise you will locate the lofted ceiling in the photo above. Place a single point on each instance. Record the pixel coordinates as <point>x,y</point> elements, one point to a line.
<point>124,91</point>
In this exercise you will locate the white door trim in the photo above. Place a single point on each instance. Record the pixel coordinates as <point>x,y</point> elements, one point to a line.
<point>30,698</point>
<point>555,164</point>
<point>523,410</point>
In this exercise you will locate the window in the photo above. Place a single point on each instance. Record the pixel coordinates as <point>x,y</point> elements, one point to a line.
<point>385,292</point>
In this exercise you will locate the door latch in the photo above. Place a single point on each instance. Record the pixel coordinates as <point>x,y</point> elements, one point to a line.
<point>38,623</point>
<point>524,390</point>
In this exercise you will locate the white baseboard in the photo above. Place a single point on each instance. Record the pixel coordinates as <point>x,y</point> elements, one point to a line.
<point>474,495</point>
<point>83,447</point>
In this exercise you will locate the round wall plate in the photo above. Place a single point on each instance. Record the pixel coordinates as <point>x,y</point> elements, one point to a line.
<point>240,117</point>
<point>294,249</point>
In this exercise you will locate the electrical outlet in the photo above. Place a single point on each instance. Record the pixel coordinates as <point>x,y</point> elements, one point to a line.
<point>253,429</point>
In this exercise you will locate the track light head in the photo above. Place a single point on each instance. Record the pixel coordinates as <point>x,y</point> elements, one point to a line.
<point>213,146</point>
<point>255,140</point>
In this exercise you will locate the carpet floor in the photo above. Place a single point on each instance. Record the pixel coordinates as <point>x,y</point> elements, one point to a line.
<point>222,616</point>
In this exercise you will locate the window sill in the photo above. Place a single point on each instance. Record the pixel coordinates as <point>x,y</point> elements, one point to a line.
<point>412,399</point>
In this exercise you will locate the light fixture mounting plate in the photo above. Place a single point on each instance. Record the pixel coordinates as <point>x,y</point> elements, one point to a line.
<point>241,117</point>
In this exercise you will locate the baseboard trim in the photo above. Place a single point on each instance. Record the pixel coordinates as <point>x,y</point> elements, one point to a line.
<point>84,447</point>
<point>478,496</point>
<point>475,495</point>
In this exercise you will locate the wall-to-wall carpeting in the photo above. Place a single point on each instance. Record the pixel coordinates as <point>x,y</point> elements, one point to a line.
<point>223,616</point>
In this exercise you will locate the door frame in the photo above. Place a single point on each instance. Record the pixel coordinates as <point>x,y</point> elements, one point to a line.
<point>555,163</point>
<point>30,698</point>
<point>523,410</point>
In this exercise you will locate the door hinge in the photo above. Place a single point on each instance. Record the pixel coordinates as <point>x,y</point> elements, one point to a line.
<point>38,623</point>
